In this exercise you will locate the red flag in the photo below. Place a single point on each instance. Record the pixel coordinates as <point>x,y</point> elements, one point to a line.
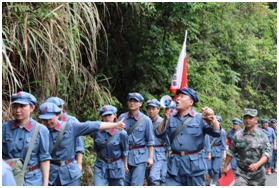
<point>228,179</point>
<point>179,79</point>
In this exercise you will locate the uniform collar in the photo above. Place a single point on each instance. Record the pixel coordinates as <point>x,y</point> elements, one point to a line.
<point>58,126</point>
<point>27,127</point>
<point>64,118</point>
<point>253,133</point>
<point>136,116</point>
<point>155,119</point>
<point>191,113</point>
<point>111,131</point>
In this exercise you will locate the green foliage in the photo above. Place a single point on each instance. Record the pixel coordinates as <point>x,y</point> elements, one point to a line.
<point>231,50</point>
<point>92,54</point>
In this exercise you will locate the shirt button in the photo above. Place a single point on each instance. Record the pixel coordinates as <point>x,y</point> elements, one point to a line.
<point>181,133</point>
<point>19,150</point>
<point>180,144</point>
<point>20,139</point>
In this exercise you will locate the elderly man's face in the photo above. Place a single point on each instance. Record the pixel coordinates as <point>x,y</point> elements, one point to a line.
<point>183,102</point>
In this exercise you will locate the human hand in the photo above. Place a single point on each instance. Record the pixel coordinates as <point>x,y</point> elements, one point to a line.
<point>167,113</point>
<point>149,162</point>
<point>208,156</point>
<point>208,115</point>
<point>80,167</point>
<point>253,167</point>
<point>120,124</point>
<point>126,169</point>
<point>224,170</point>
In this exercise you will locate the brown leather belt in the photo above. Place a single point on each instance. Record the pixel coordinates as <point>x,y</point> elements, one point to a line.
<point>135,147</point>
<point>182,153</point>
<point>62,163</point>
<point>33,168</point>
<point>158,146</point>
<point>109,160</point>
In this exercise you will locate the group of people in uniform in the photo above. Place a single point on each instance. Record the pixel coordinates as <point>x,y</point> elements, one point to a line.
<point>178,149</point>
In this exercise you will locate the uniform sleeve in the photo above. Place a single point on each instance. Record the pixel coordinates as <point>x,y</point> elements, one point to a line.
<point>223,140</point>
<point>209,129</point>
<point>207,143</point>
<point>80,145</point>
<point>94,137</point>
<point>44,144</point>
<point>266,149</point>
<point>124,143</point>
<point>149,133</point>
<point>232,148</point>
<point>85,128</point>
<point>164,132</point>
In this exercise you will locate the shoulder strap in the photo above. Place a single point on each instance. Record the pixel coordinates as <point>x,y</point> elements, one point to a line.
<point>58,139</point>
<point>106,143</point>
<point>212,142</point>
<point>136,124</point>
<point>67,119</point>
<point>29,151</point>
<point>155,123</point>
<point>154,127</point>
<point>180,127</point>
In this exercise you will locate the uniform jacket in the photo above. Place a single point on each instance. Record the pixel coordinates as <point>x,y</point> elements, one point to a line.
<point>190,138</point>
<point>66,149</point>
<point>117,147</point>
<point>141,135</point>
<point>15,143</point>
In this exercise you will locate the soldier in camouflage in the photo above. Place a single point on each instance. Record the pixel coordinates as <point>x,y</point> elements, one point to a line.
<point>253,150</point>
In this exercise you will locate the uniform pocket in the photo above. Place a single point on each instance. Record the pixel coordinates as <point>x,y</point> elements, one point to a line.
<point>197,163</point>
<point>138,131</point>
<point>160,153</point>
<point>73,169</point>
<point>9,142</point>
<point>194,129</point>
<point>216,151</point>
<point>141,155</point>
<point>116,170</point>
<point>173,166</point>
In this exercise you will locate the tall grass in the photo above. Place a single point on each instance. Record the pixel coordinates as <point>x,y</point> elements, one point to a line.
<point>49,49</point>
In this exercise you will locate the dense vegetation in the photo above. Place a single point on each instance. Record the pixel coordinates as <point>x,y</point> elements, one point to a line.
<point>91,54</point>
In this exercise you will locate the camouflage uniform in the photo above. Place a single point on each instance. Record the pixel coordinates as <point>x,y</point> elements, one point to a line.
<point>250,148</point>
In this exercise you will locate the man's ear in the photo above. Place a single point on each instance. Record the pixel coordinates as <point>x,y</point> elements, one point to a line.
<point>33,108</point>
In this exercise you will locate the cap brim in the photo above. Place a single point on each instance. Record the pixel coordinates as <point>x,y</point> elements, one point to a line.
<point>20,102</point>
<point>134,98</point>
<point>179,91</point>
<point>153,105</point>
<point>47,116</point>
<point>107,113</point>
<point>249,115</point>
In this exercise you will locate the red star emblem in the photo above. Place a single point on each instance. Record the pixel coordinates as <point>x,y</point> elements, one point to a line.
<point>46,108</point>
<point>151,100</point>
<point>135,94</point>
<point>105,108</point>
<point>18,94</point>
